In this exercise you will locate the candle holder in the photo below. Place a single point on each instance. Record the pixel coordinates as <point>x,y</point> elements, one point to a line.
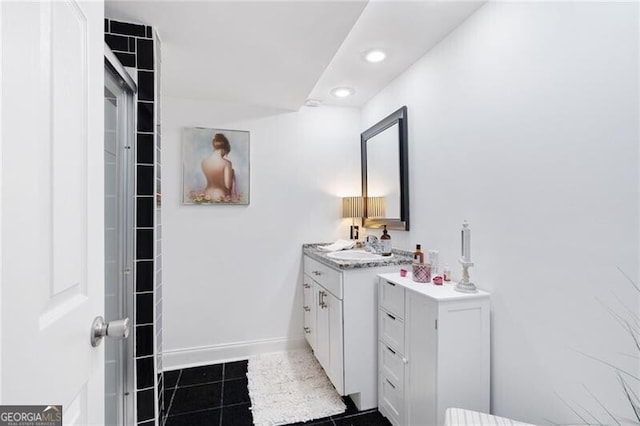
<point>465,285</point>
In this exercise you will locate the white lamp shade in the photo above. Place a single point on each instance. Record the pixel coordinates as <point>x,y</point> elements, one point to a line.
<point>352,207</point>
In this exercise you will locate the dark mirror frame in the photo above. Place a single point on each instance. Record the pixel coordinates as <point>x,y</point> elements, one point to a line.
<point>399,117</point>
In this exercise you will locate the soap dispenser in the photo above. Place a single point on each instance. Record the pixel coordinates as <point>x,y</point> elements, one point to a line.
<point>418,255</point>
<point>385,241</point>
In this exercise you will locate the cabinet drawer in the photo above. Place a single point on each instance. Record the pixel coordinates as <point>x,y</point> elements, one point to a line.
<point>391,297</point>
<point>391,364</point>
<point>309,325</point>
<point>391,329</point>
<point>307,294</point>
<point>309,311</point>
<point>327,277</point>
<point>391,400</point>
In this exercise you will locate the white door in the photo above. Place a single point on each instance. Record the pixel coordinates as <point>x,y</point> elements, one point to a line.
<point>51,201</point>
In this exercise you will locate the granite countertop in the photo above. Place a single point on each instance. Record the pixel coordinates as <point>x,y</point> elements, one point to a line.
<point>400,257</point>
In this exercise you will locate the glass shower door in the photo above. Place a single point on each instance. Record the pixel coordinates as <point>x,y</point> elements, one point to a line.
<point>118,266</point>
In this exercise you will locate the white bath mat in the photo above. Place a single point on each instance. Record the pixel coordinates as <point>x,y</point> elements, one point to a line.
<point>290,387</point>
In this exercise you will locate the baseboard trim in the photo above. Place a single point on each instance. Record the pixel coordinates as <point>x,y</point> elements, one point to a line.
<point>215,354</point>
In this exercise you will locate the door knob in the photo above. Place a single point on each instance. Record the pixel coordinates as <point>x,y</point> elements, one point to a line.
<point>117,329</point>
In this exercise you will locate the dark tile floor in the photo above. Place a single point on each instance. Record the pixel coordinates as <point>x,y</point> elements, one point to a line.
<point>218,395</point>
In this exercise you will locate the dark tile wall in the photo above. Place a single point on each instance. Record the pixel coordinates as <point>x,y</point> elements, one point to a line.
<point>135,47</point>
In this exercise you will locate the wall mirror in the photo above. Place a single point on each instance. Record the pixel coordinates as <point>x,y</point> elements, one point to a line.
<point>385,171</point>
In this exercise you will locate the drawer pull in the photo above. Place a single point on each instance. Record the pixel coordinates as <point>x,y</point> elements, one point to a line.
<point>391,350</point>
<point>307,330</point>
<point>307,309</point>
<point>321,303</point>
<point>391,316</point>
<point>316,273</point>
<point>390,384</point>
<point>306,285</point>
<point>391,284</point>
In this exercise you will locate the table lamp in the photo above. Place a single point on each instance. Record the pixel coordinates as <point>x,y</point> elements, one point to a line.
<point>352,207</point>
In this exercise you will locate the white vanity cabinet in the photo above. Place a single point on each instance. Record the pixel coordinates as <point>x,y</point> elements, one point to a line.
<point>433,350</point>
<point>324,318</point>
<point>340,315</point>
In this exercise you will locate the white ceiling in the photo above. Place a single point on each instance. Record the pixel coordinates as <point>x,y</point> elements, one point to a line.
<point>279,53</point>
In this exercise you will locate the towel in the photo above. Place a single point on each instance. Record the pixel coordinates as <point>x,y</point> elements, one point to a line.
<point>339,245</point>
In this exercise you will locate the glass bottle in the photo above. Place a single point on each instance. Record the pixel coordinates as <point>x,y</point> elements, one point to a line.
<point>446,272</point>
<point>385,241</point>
<point>418,255</point>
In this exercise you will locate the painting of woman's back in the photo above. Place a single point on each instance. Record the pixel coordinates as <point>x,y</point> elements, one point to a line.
<point>215,166</point>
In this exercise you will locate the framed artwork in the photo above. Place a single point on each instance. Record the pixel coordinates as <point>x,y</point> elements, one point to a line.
<point>215,166</point>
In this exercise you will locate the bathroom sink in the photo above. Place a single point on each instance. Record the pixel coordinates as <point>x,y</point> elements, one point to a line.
<point>356,255</point>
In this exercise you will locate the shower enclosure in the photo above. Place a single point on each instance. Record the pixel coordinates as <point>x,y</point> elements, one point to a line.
<point>119,127</point>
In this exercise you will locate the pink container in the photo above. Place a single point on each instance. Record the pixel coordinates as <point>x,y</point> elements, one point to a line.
<point>422,273</point>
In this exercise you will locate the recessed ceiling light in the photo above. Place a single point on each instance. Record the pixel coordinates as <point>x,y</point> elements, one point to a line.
<point>343,92</point>
<point>374,55</point>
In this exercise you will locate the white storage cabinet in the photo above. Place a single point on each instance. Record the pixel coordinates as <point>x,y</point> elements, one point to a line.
<point>433,350</point>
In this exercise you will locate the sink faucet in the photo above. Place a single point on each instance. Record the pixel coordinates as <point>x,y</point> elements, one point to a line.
<point>371,244</point>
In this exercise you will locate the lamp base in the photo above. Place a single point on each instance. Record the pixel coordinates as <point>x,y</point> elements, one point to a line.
<point>466,287</point>
<point>354,232</point>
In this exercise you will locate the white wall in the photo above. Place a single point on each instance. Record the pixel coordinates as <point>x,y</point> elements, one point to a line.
<point>524,121</point>
<point>231,273</point>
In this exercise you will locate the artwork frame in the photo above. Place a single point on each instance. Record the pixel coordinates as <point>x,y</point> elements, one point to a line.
<point>215,166</point>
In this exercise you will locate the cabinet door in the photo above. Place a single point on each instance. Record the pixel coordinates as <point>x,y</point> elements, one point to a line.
<point>421,342</point>
<point>336,360</point>
<point>309,307</point>
<point>329,341</point>
<point>322,326</point>
<point>463,329</point>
